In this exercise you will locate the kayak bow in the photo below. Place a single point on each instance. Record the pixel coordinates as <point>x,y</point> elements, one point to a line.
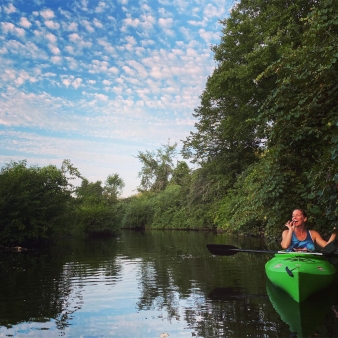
<point>300,274</point>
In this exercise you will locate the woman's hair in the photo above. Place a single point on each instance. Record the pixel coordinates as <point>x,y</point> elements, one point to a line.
<point>302,211</point>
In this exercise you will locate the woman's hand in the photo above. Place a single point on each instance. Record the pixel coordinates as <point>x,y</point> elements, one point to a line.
<point>289,225</point>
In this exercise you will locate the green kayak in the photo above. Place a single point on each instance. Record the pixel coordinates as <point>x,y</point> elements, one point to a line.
<point>300,274</point>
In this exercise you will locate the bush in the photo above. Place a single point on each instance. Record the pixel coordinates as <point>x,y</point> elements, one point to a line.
<point>35,203</point>
<point>99,220</point>
<point>138,212</point>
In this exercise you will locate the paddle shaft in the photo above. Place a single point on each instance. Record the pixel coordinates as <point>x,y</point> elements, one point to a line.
<point>229,250</point>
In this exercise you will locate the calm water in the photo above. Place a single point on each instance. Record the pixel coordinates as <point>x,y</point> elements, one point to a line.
<point>153,283</point>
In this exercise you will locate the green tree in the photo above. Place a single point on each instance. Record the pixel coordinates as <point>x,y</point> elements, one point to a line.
<point>138,211</point>
<point>169,209</point>
<point>35,203</point>
<point>255,35</point>
<point>181,174</point>
<point>299,117</point>
<point>157,168</point>
<point>99,213</point>
<point>113,188</point>
<point>90,192</point>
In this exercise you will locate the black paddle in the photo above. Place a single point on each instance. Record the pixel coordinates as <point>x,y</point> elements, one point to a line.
<point>229,250</point>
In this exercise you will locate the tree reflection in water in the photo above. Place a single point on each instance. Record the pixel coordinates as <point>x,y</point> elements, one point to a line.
<point>143,284</point>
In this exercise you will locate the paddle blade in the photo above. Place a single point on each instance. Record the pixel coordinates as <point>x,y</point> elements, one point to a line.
<point>222,250</point>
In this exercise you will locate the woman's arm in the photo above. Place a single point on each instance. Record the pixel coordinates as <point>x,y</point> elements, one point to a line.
<point>286,238</point>
<point>317,238</point>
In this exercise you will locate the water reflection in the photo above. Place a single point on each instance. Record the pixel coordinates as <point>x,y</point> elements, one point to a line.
<point>140,285</point>
<point>46,287</point>
<point>302,318</point>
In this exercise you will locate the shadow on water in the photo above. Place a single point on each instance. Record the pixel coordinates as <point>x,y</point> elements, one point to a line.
<point>226,294</point>
<point>304,319</point>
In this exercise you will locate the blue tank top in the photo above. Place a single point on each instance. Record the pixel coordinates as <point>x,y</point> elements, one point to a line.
<point>306,243</point>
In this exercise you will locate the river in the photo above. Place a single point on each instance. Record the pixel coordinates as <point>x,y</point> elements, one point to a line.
<point>153,284</point>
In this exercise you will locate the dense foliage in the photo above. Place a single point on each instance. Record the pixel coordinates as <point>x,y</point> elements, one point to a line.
<point>99,212</point>
<point>39,204</point>
<point>35,203</point>
<point>298,118</point>
<point>266,132</point>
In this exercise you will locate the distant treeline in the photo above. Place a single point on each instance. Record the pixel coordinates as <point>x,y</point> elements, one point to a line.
<point>41,204</point>
<point>266,141</point>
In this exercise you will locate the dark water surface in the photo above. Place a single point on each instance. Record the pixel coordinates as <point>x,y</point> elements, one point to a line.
<point>151,284</point>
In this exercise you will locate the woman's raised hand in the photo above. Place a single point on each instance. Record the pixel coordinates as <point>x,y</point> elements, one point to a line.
<point>289,225</point>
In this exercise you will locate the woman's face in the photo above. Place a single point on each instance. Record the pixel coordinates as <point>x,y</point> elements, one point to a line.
<point>298,218</point>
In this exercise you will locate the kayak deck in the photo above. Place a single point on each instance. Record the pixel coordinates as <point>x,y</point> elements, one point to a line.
<point>300,274</point>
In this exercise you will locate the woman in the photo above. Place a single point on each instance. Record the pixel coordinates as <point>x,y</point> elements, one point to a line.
<point>299,238</point>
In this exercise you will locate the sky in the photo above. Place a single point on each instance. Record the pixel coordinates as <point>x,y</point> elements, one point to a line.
<point>96,82</point>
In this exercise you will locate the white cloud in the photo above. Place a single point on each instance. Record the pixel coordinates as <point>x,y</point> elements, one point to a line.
<point>129,70</point>
<point>47,14</point>
<point>131,22</point>
<point>88,26</point>
<point>147,42</point>
<point>24,76</point>
<point>8,27</point>
<point>187,33</point>
<point>10,9</point>
<point>79,42</point>
<point>197,23</point>
<point>69,49</point>
<point>71,81</point>
<point>131,42</point>
<point>55,50</point>
<point>72,26</point>
<point>72,63</point>
<point>24,22</point>
<point>28,50</point>
<point>51,37</point>
<point>113,70</point>
<point>212,11</point>
<point>97,23</point>
<point>65,13</point>
<point>66,82</point>
<point>107,46</point>
<point>98,66</point>
<point>208,36</point>
<point>56,59</point>
<point>8,75</point>
<point>74,37</point>
<point>101,97</point>
<point>147,21</point>
<point>101,7</point>
<point>165,23</point>
<point>52,24</point>
<point>139,67</point>
<point>77,83</point>
<point>48,74</point>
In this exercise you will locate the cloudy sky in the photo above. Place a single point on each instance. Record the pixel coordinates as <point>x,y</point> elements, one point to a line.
<point>98,81</point>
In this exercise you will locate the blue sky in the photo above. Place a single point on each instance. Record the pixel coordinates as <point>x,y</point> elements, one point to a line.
<point>97,81</point>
